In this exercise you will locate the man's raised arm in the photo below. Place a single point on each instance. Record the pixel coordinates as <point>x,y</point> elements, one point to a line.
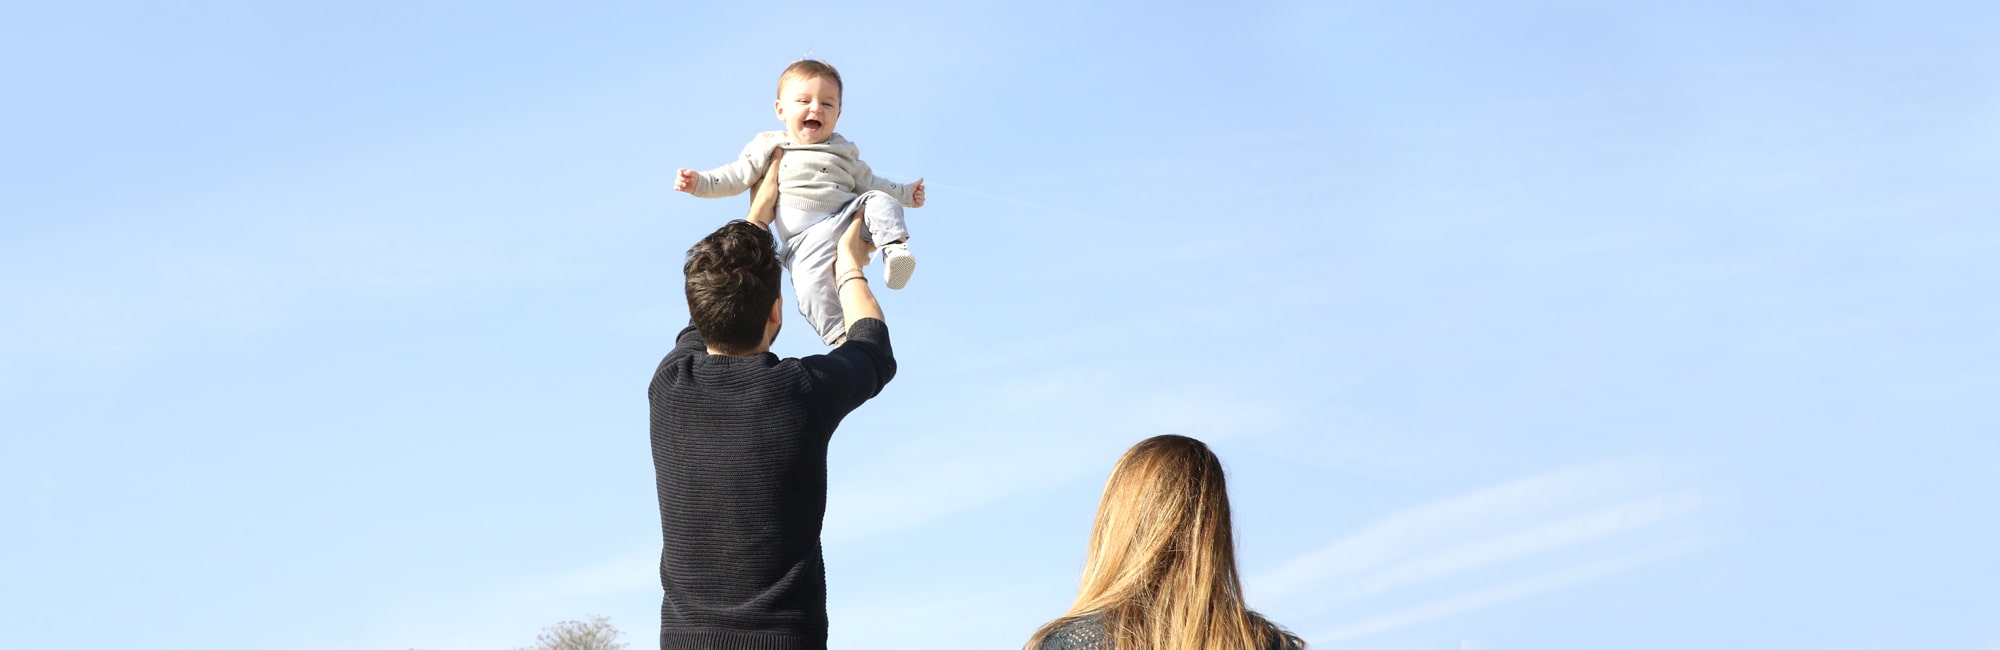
<point>764,197</point>
<point>857,301</point>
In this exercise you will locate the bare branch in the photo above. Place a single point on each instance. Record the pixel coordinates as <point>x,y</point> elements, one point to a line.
<point>594,634</point>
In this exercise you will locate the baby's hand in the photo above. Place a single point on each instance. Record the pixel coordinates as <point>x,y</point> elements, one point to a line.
<point>917,193</point>
<point>686,181</point>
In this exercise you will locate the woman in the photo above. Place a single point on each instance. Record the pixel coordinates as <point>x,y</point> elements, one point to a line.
<point>1161,573</point>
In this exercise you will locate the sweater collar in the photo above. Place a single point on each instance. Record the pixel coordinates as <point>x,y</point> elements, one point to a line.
<point>833,142</point>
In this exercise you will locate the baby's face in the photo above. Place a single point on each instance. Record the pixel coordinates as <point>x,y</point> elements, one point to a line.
<point>809,108</point>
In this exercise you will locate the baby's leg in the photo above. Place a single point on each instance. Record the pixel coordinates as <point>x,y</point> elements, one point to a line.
<point>809,257</point>
<point>884,217</point>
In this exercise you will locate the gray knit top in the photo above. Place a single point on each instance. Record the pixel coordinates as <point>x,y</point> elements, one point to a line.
<point>814,177</point>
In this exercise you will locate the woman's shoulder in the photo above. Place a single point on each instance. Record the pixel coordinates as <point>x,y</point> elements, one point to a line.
<point>1080,633</point>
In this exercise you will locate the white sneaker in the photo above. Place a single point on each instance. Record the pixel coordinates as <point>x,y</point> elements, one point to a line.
<point>897,258</point>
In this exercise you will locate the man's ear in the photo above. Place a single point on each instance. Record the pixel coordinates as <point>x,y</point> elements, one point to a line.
<point>774,323</point>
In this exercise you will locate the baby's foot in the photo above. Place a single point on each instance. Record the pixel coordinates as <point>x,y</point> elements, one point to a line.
<point>900,263</point>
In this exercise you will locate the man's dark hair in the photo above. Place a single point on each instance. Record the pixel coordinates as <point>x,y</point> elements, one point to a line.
<point>732,279</point>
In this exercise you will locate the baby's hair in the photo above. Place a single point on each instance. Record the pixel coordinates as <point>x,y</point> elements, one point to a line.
<point>810,69</point>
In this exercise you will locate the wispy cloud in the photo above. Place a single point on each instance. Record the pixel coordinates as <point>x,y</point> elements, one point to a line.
<point>1512,591</point>
<point>1419,529</point>
<point>1465,542</point>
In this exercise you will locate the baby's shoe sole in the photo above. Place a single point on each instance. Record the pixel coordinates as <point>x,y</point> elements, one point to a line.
<point>900,268</point>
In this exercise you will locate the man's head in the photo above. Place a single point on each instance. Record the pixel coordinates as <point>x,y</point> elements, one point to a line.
<point>809,100</point>
<point>732,288</point>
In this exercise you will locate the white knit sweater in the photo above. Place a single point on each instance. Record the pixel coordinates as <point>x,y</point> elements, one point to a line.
<point>814,177</point>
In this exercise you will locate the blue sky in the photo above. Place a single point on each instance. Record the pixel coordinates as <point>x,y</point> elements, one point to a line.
<point>1551,325</point>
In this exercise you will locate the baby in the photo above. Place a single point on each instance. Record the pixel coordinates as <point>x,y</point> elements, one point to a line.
<point>822,183</point>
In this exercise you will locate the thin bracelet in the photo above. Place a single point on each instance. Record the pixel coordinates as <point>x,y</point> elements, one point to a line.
<point>845,280</point>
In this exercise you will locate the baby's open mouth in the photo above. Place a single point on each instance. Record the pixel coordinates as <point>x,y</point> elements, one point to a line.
<point>810,124</point>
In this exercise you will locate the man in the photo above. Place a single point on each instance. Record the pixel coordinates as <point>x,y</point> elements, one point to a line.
<point>740,440</point>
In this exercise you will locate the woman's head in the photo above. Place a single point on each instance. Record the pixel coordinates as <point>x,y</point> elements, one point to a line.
<point>1161,571</point>
<point>1163,524</point>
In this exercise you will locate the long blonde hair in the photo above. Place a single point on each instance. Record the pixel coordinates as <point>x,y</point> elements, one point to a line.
<point>1161,572</point>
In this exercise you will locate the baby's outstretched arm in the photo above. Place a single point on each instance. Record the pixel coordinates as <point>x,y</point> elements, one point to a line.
<point>911,195</point>
<point>731,179</point>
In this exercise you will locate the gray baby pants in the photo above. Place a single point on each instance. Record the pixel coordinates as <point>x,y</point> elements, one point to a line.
<point>810,255</point>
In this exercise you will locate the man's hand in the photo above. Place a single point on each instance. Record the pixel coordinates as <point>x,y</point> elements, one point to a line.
<point>854,249</point>
<point>917,193</point>
<point>686,181</point>
<point>764,197</point>
<point>857,301</point>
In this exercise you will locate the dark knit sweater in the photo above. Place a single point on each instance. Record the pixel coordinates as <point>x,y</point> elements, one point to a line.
<point>739,457</point>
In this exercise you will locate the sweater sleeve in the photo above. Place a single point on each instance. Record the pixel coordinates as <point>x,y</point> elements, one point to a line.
<point>736,177</point>
<point>856,371</point>
<point>865,179</point>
